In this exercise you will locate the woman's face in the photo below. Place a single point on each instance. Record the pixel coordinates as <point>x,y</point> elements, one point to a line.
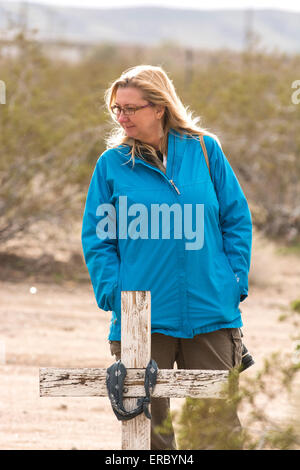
<point>145,124</point>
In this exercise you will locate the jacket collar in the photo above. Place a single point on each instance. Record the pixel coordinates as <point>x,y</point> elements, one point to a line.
<point>176,146</point>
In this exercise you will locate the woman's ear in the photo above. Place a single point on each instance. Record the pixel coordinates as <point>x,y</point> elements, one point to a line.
<point>160,111</point>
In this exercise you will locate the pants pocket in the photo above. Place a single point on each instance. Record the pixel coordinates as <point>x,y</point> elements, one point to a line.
<point>237,345</point>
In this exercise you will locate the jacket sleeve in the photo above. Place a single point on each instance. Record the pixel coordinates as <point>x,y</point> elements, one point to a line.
<point>234,215</point>
<point>101,255</point>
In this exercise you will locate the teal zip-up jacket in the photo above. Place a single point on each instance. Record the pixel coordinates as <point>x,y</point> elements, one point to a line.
<point>196,283</point>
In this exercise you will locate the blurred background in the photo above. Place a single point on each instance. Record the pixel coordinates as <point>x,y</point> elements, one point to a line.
<point>237,65</point>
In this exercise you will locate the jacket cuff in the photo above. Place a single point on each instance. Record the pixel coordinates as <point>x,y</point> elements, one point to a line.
<point>243,295</point>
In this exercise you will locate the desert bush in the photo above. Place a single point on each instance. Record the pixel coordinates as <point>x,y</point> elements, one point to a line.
<point>51,133</point>
<point>296,305</point>
<point>206,424</point>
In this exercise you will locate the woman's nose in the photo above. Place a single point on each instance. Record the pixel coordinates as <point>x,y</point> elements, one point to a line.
<point>122,117</point>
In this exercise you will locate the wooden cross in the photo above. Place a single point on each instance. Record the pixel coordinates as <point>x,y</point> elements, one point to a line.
<point>135,354</point>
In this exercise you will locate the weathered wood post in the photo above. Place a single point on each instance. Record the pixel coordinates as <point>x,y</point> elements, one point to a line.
<point>135,354</point>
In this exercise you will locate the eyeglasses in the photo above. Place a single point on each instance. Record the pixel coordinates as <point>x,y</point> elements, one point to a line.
<point>127,111</point>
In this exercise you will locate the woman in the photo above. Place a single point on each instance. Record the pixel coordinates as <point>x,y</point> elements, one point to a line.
<point>155,160</point>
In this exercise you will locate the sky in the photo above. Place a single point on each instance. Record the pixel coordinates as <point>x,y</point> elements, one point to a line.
<point>291,5</point>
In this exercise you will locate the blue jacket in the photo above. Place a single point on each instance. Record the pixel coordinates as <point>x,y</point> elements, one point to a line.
<point>195,287</point>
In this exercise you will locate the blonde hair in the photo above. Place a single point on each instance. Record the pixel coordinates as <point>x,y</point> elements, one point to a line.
<point>158,89</point>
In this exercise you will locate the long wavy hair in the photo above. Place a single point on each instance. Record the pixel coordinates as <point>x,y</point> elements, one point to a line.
<point>158,89</point>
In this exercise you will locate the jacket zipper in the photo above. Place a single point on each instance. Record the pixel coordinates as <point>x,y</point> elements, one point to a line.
<point>171,181</point>
<point>156,169</point>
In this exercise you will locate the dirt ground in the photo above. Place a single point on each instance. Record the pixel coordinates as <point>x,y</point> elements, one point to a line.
<point>60,325</point>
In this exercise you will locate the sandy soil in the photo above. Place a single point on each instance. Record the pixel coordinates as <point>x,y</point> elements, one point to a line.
<point>61,326</point>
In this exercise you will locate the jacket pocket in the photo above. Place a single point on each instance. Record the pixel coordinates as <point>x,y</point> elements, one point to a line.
<point>229,287</point>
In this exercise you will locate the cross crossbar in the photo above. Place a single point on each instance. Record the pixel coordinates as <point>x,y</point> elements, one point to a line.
<point>172,383</point>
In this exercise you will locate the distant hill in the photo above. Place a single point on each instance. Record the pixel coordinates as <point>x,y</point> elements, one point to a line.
<point>152,25</point>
